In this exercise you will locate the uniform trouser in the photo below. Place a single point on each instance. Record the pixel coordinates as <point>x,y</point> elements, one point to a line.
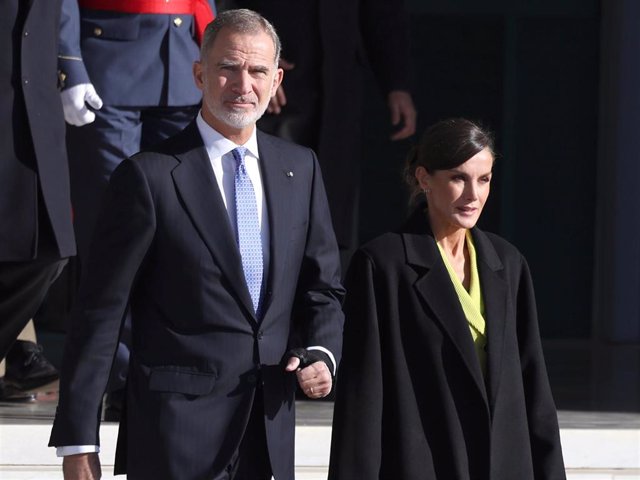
<point>95,150</point>
<point>23,286</point>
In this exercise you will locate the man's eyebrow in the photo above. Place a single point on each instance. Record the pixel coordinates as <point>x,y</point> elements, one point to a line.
<point>227,62</point>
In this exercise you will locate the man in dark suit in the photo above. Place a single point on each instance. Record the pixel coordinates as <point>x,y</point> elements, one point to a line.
<point>36,235</point>
<point>215,315</point>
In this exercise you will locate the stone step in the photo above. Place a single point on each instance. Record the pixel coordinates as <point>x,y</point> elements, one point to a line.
<point>596,445</point>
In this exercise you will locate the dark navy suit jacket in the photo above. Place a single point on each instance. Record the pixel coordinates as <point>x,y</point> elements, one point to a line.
<point>164,245</point>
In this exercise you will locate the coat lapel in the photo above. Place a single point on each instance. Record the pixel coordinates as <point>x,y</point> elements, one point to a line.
<point>494,291</point>
<point>434,287</point>
<point>195,182</point>
<point>277,182</point>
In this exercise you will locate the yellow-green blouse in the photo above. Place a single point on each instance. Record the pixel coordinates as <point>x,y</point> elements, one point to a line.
<point>471,300</point>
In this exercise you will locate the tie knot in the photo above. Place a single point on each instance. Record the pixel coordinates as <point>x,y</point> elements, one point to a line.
<point>238,154</point>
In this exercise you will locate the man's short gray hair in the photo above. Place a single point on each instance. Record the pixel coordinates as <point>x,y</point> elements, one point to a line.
<point>242,21</point>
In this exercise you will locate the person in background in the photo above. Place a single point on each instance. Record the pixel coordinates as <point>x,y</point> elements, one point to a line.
<point>125,67</point>
<point>327,45</point>
<point>36,233</point>
<point>26,371</point>
<point>220,241</point>
<point>443,375</point>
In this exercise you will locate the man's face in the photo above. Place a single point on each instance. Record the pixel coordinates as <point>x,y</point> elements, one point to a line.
<point>237,79</point>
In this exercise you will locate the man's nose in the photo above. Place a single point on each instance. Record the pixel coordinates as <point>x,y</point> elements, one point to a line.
<point>242,82</point>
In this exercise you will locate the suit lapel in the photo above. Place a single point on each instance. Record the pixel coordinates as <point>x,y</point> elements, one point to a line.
<point>274,167</point>
<point>195,182</point>
<point>494,292</point>
<point>434,287</point>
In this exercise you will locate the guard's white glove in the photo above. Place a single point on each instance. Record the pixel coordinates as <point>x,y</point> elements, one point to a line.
<point>74,104</point>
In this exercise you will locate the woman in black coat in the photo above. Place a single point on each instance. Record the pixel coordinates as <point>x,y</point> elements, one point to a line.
<point>442,375</point>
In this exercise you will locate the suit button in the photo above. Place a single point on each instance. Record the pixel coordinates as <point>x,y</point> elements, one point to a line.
<point>259,335</point>
<point>97,32</point>
<point>177,21</point>
<point>26,34</point>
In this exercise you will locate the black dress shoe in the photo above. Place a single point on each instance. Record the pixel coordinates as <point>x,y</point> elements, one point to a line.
<point>28,370</point>
<point>10,394</point>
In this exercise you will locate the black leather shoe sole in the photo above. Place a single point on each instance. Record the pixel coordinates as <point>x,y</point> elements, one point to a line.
<point>49,383</point>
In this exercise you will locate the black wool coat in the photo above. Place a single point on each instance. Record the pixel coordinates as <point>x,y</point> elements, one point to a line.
<point>34,175</point>
<point>412,402</point>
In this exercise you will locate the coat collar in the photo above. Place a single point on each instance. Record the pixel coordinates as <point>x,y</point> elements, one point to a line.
<point>422,254</point>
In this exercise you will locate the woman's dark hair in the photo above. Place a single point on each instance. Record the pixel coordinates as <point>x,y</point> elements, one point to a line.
<point>446,145</point>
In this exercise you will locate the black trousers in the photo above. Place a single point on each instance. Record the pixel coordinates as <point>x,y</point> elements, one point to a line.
<point>251,460</point>
<point>23,286</point>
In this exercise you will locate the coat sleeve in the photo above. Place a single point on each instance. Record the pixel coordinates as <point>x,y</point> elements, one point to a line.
<point>541,411</point>
<point>357,422</point>
<point>123,235</point>
<point>70,63</point>
<point>386,41</point>
<point>319,290</point>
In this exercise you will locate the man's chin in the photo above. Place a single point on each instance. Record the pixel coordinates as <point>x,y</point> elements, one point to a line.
<point>239,120</point>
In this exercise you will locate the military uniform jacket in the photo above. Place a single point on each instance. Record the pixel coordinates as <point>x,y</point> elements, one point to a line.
<point>133,60</point>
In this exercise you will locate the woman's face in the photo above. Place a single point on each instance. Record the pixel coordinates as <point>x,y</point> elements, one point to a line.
<point>456,197</point>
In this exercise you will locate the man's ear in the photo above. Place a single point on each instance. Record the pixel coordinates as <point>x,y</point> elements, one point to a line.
<point>197,74</point>
<point>277,80</point>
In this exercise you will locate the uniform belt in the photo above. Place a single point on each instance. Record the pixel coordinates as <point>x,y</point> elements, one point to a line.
<point>200,9</point>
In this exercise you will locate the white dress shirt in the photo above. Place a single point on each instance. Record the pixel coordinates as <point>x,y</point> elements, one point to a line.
<point>224,168</point>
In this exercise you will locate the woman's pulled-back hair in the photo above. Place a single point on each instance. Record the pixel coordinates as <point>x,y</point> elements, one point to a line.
<point>445,145</point>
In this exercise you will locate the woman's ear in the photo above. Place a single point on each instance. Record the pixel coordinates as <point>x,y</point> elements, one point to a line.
<point>423,177</point>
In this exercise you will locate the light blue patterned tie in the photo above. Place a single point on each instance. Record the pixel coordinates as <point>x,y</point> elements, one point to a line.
<point>248,229</point>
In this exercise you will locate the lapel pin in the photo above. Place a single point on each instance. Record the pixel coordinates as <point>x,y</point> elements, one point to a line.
<point>289,174</point>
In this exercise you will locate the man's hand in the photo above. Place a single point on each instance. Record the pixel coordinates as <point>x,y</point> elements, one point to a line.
<point>84,466</point>
<point>74,104</point>
<point>314,380</point>
<point>402,113</point>
<point>279,100</point>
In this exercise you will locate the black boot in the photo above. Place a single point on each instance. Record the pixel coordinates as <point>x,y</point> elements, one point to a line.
<point>28,370</point>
